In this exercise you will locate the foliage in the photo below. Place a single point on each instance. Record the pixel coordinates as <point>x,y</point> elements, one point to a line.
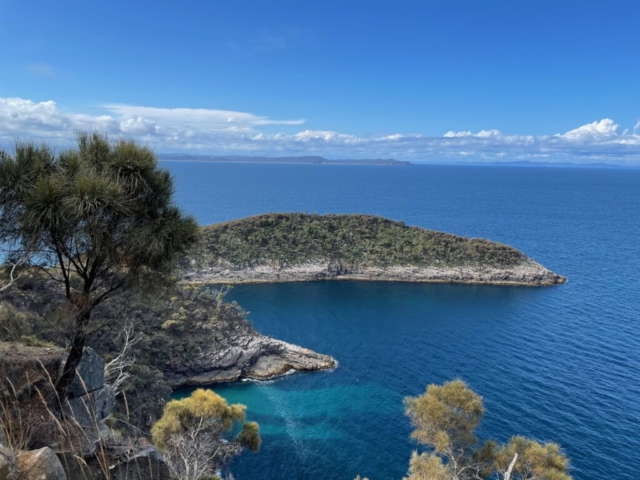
<point>202,406</point>
<point>249,437</point>
<point>193,433</point>
<point>445,418</point>
<point>534,461</point>
<point>428,466</point>
<point>363,240</point>
<point>14,324</point>
<point>97,219</point>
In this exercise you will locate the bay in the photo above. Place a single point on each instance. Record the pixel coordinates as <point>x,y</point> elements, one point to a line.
<point>560,363</point>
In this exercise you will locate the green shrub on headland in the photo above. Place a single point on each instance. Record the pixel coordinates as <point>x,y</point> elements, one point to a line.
<point>363,240</point>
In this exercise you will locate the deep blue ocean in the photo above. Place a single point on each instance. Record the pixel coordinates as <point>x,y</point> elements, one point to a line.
<point>556,364</point>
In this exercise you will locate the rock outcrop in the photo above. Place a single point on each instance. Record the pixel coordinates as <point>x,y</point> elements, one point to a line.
<point>250,355</point>
<point>90,402</point>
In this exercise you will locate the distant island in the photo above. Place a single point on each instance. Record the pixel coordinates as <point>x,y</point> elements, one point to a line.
<point>315,160</point>
<point>290,247</point>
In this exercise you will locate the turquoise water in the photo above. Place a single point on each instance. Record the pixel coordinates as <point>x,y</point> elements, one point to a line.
<point>559,363</point>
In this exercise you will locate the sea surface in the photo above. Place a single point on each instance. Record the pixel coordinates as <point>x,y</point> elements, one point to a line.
<point>556,364</point>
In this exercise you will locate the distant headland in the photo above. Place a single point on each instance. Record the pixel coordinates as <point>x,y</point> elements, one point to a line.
<point>314,160</point>
<point>293,247</point>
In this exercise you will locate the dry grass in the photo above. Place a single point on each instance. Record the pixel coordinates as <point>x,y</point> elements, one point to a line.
<point>34,418</point>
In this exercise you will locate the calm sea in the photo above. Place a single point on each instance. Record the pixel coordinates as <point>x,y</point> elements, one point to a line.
<point>557,364</point>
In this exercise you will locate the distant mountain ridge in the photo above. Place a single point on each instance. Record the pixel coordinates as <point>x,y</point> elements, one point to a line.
<point>317,160</point>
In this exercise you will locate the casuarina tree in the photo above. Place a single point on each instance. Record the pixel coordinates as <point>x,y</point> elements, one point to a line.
<point>97,219</point>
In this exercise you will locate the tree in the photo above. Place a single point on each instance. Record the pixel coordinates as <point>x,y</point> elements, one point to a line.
<point>445,418</point>
<point>97,220</point>
<point>531,460</point>
<point>193,434</point>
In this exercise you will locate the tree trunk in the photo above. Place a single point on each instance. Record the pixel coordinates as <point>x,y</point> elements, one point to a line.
<point>74,357</point>
<point>507,476</point>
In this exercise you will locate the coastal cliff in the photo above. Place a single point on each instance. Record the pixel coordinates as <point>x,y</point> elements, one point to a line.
<point>295,247</point>
<point>185,336</point>
<point>205,340</point>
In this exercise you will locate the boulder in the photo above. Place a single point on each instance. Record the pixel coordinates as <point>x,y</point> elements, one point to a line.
<point>23,369</point>
<point>40,464</point>
<point>89,410</point>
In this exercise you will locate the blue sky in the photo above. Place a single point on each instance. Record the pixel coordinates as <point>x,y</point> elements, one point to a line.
<point>427,80</point>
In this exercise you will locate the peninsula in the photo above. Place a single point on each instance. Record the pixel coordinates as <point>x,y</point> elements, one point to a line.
<point>293,247</point>
<point>315,160</point>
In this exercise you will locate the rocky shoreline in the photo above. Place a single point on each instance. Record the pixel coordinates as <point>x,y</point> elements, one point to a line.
<point>527,273</point>
<point>251,356</point>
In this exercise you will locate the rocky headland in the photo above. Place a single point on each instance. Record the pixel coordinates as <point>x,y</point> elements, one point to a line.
<point>189,336</point>
<point>298,247</point>
<point>253,357</point>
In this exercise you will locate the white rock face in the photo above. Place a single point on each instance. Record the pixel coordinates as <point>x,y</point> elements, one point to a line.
<point>527,273</point>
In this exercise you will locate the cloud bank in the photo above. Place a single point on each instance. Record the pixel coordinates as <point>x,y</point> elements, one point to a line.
<point>226,132</point>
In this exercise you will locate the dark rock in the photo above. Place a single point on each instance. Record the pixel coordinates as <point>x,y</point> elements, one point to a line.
<point>90,374</point>
<point>8,466</point>
<point>89,410</point>
<point>81,468</point>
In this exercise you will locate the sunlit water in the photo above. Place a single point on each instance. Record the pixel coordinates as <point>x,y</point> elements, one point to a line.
<point>559,363</point>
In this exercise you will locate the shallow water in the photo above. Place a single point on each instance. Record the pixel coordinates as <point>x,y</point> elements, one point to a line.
<point>560,363</point>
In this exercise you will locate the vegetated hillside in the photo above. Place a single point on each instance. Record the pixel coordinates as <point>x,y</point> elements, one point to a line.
<point>362,240</point>
<point>182,333</point>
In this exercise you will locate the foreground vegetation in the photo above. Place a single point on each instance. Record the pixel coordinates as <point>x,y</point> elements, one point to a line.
<point>445,419</point>
<point>96,219</point>
<point>90,238</point>
<point>194,434</point>
<point>363,240</point>
<point>167,328</point>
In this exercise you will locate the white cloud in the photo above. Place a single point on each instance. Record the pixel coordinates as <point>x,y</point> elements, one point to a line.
<point>201,117</point>
<point>480,134</point>
<point>138,126</point>
<point>224,131</point>
<point>326,137</point>
<point>605,128</point>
